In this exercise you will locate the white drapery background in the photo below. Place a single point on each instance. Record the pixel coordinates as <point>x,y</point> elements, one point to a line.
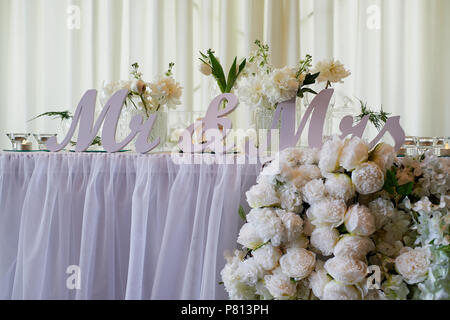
<point>397,50</point>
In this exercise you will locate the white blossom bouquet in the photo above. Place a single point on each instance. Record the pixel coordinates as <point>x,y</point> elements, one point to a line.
<point>322,221</point>
<point>146,97</point>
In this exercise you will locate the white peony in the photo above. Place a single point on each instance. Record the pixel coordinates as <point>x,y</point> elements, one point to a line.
<point>250,271</point>
<point>317,281</point>
<point>304,174</point>
<point>382,210</point>
<point>280,285</point>
<point>413,264</point>
<point>281,85</point>
<point>340,186</point>
<point>268,225</point>
<point>314,191</point>
<point>383,155</point>
<point>297,263</point>
<point>267,256</point>
<point>327,213</point>
<point>359,220</point>
<point>290,198</point>
<point>368,178</point>
<point>248,237</point>
<point>324,239</point>
<point>354,153</point>
<point>346,270</point>
<point>356,247</point>
<point>329,155</point>
<point>292,222</point>
<point>262,195</point>
<point>237,290</point>
<point>251,91</point>
<point>338,291</point>
<point>300,241</point>
<point>331,70</point>
<point>166,91</point>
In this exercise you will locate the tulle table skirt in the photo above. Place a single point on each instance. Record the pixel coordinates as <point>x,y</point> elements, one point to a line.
<point>135,226</point>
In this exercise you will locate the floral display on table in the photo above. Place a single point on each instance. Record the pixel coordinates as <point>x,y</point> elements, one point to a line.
<point>345,222</point>
<point>146,98</point>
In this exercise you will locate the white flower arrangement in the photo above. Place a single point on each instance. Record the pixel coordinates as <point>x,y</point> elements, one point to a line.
<point>356,213</point>
<point>146,97</point>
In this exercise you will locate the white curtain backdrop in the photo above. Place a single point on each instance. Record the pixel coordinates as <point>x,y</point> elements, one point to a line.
<point>397,50</point>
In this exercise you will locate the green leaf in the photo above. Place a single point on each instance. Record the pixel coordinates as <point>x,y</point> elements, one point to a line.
<point>390,182</point>
<point>293,281</point>
<point>231,76</point>
<point>242,214</point>
<point>342,229</point>
<point>217,72</point>
<point>310,78</point>
<point>56,114</point>
<point>221,282</point>
<point>242,66</point>
<point>405,189</point>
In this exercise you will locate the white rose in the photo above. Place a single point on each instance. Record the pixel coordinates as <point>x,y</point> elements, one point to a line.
<point>329,155</point>
<point>324,239</point>
<point>340,186</point>
<point>359,220</point>
<point>354,153</point>
<point>338,291</point>
<point>382,210</point>
<point>327,213</point>
<point>383,155</point>
<point>268,225</point>
<point>248,237</point>
<point>249,271</point>
<point>346,270</point>
<point>314,191</point>
<point>413,264</point>
<point>267,256</point>
<point>292,222</point>
<point>317,282</point>
<point>262,195</point>
<point>280,285</point>
<point>205,69</point>
<point>300,241</point>
<point>356,247</point>
<point>368,178</point>
<point>298,263</point>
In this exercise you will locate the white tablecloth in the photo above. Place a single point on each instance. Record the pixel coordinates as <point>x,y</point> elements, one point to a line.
<point>138,226</point>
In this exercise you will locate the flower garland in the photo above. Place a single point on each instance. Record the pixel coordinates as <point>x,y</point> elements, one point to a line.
<point>323,220</point>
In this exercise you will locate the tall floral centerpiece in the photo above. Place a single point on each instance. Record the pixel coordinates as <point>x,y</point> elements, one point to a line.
<point>345,223</point>
<point>146,98</point>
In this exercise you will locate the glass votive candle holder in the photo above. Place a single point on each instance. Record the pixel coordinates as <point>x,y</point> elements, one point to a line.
<point>42,139</point>
<point>425,143</point>
<point>409,147</point>
<point>442,146</point>
<point>18,139</point>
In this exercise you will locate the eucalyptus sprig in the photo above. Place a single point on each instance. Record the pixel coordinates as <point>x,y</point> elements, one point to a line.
<point>378,119</point>
<point>225,84</point>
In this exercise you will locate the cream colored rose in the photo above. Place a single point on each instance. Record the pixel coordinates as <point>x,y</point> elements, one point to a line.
<point>413,264</point>
<point>314,191</point>
<point>262,195</point>
<point>248,237</point>
<point>267,256</point>
<point>368,178</point>
<point>340,186</point>
<point>346,270</point>
<point>280,285</point>
<point>324,239</point>
<point>327,212</point>
<point>298,263</point>
<point>354,153</point>
<point>338,291</point>
<point>317,281</point>
<point>359,220</point>
<point>383,155</point>
<point>356,247</point>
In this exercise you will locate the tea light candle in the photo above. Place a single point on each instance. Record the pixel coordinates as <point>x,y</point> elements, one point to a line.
<point>446,150</point>
<point>26,145</point>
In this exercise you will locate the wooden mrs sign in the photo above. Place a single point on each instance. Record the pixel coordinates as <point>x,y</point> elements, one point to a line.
<point>215,117</point>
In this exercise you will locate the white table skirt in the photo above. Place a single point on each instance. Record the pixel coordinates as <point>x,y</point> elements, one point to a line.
<point>138,226</point>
